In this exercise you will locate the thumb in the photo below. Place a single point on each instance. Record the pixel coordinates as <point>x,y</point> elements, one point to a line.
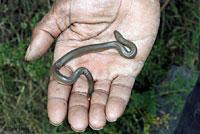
<point>52,24</point>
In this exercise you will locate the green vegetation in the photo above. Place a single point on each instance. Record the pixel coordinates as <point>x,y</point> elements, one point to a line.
<point>23,85</point>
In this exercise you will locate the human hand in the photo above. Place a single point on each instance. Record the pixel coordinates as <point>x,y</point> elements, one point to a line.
<point>83,22</point>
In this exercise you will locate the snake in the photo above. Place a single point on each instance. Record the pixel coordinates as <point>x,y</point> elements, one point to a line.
<point>126,49</point>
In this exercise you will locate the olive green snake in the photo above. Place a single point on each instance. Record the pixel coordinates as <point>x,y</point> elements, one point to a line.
<point>119,45</point>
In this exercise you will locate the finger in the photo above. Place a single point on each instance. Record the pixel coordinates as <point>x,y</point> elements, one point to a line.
<point>52,24</point>
<point>119,95</point>
<point>78,105</point>
<point>58,95</point>
<point>97,115</point>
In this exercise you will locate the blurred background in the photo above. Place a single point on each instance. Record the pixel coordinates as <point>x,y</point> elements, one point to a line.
<point>159,92</point>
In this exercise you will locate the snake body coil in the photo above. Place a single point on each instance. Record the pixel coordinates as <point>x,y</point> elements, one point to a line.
<point>119,45</point>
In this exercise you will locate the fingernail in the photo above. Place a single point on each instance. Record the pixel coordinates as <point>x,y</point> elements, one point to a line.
<point>95,128</point>
<point>110,120</point>
<point>55,124</point>
<point>27,52</point>
<point>76,130</point>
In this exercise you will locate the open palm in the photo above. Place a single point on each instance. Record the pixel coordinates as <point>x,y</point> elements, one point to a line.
<point>83,22</point>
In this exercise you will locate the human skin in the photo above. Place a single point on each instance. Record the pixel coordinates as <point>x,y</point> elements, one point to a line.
<point>76,23</point>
